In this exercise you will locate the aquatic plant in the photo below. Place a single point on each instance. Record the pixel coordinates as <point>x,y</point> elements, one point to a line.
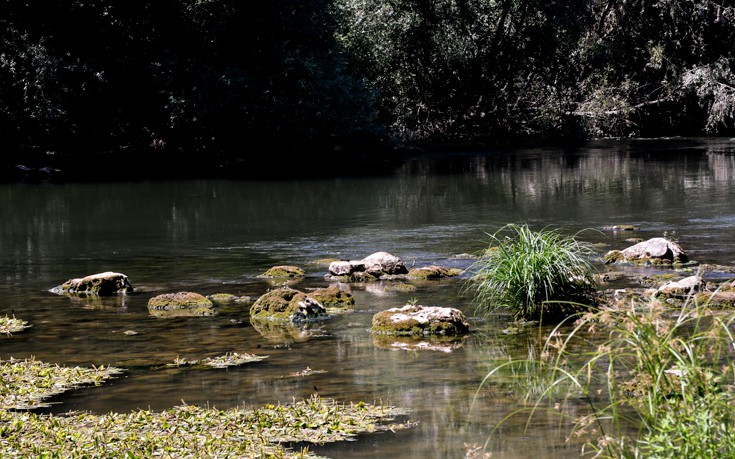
<point>659,385</point>
<point>10,325</point>
<point>534,274</point>
<point>26,384</point>
<point>194,432</point>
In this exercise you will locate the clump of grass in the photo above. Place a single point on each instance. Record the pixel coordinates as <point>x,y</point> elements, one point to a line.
<point>661,384</point>
<point>534,274</point>
<point>194,432</point>
<point>26,384</point>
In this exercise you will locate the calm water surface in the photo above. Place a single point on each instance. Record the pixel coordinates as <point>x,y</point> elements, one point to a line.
<point>218,236</point>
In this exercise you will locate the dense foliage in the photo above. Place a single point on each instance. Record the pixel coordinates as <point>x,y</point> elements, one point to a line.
<point>205,83</point>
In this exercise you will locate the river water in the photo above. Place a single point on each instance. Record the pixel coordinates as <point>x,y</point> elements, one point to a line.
<point>212,236</point>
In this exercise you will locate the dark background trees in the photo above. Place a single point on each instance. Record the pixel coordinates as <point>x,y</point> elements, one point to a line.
<point>206,86</point>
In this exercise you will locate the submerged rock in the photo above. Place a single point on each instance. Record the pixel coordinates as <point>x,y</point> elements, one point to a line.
<point>287,305</point>
<point>227,298</point>
<point>420,320</point>
<point>657,250</point>
<point>180,304</point>
<point>433,272</point>
<point>107,283</point>
<point>283,271</point>
<point>333,297</point>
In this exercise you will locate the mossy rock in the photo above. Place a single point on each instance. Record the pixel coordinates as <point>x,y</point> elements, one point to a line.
<point>419,320</point>
<point>398,287</point>
<point>724,299</point>
<point>654,251</point>
<point>283,271</point>
<point>227,298</point>
<point>180,304</point>
<point>433,272</point>
<point>287,305</point>
<point>333,297</point>
<point>107,283</point>
<point>222,298</point>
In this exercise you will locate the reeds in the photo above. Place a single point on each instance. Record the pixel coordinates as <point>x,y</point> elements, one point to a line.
<point>533,274</point>
<point>658,383</point>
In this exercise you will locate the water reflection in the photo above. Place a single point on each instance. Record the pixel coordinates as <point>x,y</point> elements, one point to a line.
<point>218,236</point>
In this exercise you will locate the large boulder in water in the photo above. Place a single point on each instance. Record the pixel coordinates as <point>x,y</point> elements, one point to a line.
<point>657,250</point>
<point>375,266</point>
<point>107,283</point>
<point>420,320</point>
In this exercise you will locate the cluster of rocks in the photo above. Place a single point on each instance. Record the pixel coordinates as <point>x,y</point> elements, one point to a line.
<point>674,287</point>
<point>286,306</point>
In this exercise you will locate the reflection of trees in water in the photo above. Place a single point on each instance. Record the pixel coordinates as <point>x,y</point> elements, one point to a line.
<point>722,164</point>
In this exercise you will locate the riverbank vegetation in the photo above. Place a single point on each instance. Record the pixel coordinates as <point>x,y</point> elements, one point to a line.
<point>101,89</point>
<point>642,380</point>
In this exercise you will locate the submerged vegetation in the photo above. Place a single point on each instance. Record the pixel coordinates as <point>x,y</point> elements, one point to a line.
<point>533,274</point>
<point>182,431</point>
<point>192,431</point>
<point>28,383</point>
<point>10,325</point>
<point>659,383</point>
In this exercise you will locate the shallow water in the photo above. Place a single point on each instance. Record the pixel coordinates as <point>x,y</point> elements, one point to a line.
<point>218,236</point>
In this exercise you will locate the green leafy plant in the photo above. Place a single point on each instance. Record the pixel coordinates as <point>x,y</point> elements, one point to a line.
<point>534,274</point>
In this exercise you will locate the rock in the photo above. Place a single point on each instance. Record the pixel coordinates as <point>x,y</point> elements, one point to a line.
<point>107,283</point>
<point>657,250</point>
<point>287,305</point>
<point>623,227</point>
<point>180,304</point>
<point>372,267</point>
<point>283,271</point>
<point>384,263</point>
<point>333,296</point>
<point>681,288</point>
<point>433,272</point>
<point>227,298</point>
<point>420,320</point>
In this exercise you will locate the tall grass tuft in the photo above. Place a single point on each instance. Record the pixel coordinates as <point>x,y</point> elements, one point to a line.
<point>660,384</point>
<point>534,274</point>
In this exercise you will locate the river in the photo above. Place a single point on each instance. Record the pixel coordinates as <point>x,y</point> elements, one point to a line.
<point>217,236</point>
